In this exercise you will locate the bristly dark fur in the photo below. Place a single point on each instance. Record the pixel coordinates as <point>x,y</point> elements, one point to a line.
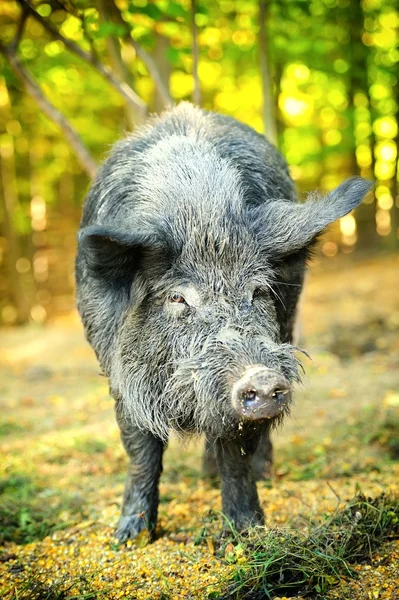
<point>198,205</point>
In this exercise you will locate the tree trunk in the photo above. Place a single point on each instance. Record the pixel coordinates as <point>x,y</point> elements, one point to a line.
<point>393,241</point>
<point>358,82</point>
<point>160,55</point>
<point>269,103</point>
<point>195,52</point>
<point>107,14</point>
<point>10,202</point>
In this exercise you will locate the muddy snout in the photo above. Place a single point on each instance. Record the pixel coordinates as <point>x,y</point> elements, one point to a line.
<point>261,393</point>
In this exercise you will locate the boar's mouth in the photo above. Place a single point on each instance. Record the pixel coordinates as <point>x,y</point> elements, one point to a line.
<point>193,394</point>
<point>202,397</point>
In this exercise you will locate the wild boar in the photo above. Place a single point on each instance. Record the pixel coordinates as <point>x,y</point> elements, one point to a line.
<point>191,258</point>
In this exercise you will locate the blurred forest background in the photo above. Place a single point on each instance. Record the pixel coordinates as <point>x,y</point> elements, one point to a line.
<point>319,77</point>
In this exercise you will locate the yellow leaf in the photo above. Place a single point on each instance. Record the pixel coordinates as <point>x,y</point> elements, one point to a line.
<point>391,399</point>
<point>210,545</point>
<point>142,540</point>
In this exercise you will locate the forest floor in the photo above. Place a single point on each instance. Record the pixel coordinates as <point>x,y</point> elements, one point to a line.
<point>63,466</point>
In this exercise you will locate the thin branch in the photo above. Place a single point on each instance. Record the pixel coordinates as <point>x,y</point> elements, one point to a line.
<point>120,86</point>
<point>269,109</point>
<point>144,56</point>
<point>195,50</point>
<point>86,159</point>
<point>20,30</point>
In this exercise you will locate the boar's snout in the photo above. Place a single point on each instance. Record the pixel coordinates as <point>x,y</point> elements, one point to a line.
<point>261,393</point>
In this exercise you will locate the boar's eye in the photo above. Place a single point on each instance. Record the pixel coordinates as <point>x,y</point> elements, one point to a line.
<point>259,293</point>
<point>177,298</point>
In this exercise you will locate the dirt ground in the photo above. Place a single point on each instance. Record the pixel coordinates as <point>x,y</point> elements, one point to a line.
<point>63,466</point>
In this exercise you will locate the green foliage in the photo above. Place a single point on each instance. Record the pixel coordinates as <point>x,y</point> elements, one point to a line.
<point>334,80</point>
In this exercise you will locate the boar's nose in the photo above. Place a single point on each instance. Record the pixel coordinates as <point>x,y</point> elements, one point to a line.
<point>261,393</point>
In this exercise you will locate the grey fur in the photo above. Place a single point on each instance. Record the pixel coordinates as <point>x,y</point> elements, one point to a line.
<point>197,205</point>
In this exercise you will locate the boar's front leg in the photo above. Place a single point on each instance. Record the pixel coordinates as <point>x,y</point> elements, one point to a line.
<point>209,462</point>
<point>262,460</point>
<point>141,496</point>
<point>240,502</point>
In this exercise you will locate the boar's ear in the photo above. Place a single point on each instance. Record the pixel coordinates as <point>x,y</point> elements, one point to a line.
<point>284,227</point>
<point>111,254</point>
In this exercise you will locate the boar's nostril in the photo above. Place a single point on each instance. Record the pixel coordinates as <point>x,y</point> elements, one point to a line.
<point>249,397</point>
<point>279,396</point>
<point>261,393</point>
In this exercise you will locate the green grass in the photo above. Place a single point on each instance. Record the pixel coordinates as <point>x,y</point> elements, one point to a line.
<point>280,562</point>
<point>10,427</point>
<point>90,445</point>
<point>385,435</point>
<point>34,589</point>
<point>360,447</point>
<point>80,448</point>
<point>29,511</point>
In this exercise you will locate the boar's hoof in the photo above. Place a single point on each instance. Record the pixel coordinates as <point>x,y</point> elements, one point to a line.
<point>130,526</point>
